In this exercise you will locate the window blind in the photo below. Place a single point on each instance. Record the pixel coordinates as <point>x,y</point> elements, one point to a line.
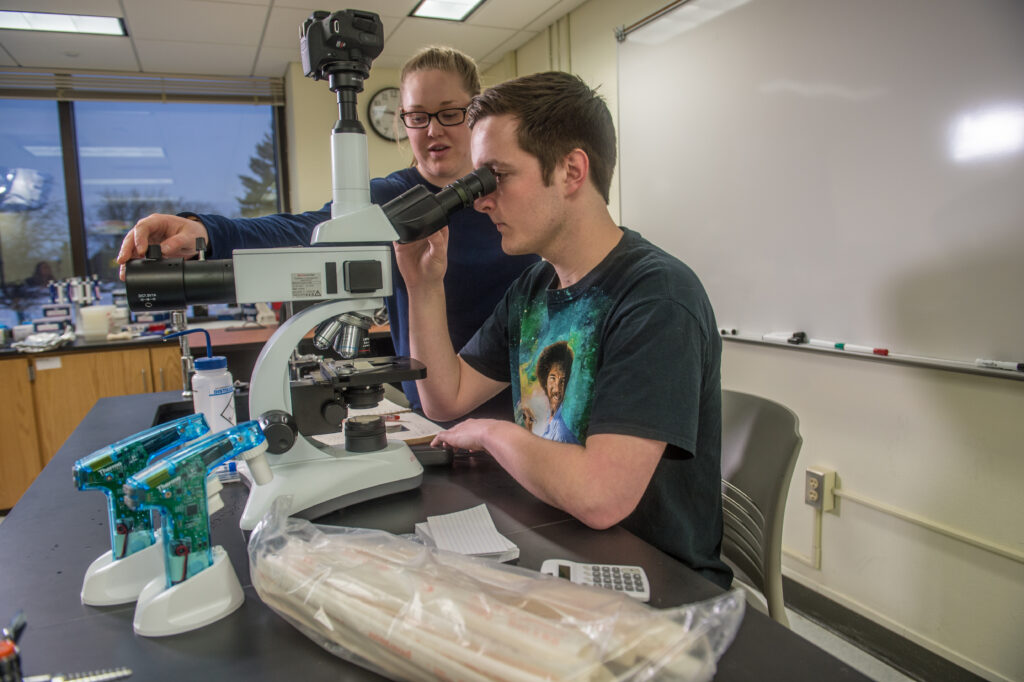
<point>98,85</point>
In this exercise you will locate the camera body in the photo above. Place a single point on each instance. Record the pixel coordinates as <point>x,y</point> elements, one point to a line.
<point>343,41</point>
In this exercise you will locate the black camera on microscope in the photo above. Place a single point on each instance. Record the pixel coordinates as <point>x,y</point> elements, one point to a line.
<point>340,46</point>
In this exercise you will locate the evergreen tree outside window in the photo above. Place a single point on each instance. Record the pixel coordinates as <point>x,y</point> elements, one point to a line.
<point>261,187</point>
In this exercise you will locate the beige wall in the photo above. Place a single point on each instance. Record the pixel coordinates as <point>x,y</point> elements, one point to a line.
<point>936,446</point>
<point>933,446</point>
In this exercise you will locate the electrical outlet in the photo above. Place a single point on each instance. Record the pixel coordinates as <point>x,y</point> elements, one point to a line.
<point>818,487</point>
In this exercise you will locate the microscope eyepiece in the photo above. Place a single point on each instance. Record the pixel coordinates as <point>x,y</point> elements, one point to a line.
<point>467,189</point>
<point>418,213</point>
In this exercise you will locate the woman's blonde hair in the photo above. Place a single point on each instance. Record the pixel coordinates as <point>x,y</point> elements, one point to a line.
<point>446,59</point>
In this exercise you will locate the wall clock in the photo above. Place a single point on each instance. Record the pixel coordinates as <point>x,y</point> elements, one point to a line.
<point>382,114</point>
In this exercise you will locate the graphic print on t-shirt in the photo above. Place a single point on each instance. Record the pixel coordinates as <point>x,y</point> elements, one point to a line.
<point>553,373</point>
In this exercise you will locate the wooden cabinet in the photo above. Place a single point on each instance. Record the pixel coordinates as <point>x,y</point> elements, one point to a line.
<point>165,364</point>
<point>67,386</point>
<point>19,444</point>
<point>45,396</point>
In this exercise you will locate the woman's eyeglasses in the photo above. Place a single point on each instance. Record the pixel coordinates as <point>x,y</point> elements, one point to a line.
<point>421,119</point>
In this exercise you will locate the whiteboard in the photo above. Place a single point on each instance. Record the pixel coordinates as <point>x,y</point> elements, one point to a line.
<point>849,168</point>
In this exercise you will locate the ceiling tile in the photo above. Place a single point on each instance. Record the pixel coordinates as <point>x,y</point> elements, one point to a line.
<point>556,12</point>
<point>221,23</point>
<point>391,8</point>
<point>105,8</point>
<point>509,14</point>
<point>284,27</point>
<point>34,49</point>
<point>159,56</point>
<point>414,33</point>
<point>245,37</point>
<point>249,5</point>
<point>517,40</point>
<point>273,61</point>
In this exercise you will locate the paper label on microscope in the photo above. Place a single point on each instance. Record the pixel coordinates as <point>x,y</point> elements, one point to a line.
<point>307,285</point>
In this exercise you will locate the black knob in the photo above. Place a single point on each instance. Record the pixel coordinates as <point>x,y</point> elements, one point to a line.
<point>334,413</point>
<point>365,433</point>
<point>153,252</point>
<point>279,429</point>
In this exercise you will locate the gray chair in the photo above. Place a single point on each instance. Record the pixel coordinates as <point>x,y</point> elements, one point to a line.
<point>760,444</point>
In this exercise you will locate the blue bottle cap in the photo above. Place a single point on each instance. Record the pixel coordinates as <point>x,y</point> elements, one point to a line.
<point>215,362</point>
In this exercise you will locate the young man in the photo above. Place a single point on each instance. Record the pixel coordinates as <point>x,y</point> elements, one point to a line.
<point>643,394</point>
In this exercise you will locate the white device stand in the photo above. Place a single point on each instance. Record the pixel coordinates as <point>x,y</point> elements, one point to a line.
<point>316,475</point>
<point>204,598</point>
<point>109,582</point>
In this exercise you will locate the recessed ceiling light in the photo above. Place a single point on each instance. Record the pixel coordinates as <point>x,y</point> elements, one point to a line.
<point>62,23</point>
<point>128,181</point>
<point>451,10</point>
<point>100,152</point>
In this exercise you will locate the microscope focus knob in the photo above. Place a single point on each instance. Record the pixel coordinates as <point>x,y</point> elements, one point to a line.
<point>279,429</point>
<point>334,413</point>
<point>365,433</point>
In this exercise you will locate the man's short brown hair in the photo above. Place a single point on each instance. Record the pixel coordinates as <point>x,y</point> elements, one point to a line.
<point>556,112</point>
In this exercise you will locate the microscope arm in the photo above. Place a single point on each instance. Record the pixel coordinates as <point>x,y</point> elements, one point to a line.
<point>270,397</point>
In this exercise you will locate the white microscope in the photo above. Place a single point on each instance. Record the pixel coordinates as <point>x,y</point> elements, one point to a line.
<point>347,268</point>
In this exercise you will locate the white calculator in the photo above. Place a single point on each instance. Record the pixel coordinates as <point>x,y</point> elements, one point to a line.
<point>631,580</point>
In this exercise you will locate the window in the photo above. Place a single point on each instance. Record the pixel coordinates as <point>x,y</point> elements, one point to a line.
<point>133,159</point>
<point>34,234</point>
<point>141,158</point>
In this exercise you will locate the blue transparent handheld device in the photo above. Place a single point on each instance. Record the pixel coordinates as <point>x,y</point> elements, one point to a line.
<point>108,468</point>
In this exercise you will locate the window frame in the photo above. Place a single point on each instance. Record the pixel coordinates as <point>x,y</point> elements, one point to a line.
<point>65,88</point>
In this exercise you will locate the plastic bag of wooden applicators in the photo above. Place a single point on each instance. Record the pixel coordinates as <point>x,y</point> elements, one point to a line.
<point>411,612</point>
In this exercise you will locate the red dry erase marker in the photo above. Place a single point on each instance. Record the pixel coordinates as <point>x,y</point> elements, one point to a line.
<point>862,349</point>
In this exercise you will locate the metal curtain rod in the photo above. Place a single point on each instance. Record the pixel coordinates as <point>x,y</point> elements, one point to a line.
<point>622,31</point>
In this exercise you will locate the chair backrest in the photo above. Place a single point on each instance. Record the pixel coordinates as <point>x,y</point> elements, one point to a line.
<point>760,444</point>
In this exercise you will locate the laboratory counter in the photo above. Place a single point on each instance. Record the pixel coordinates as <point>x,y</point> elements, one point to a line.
<point>226,338</point>
<point>55,531</point>
<point>49,393</point>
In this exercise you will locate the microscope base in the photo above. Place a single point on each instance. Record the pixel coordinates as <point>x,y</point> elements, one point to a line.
<point>204,598</point>
<point>108,582</point>
<point>320,482</point>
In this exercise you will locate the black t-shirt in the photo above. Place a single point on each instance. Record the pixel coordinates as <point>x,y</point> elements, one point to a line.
<point>632,349</point>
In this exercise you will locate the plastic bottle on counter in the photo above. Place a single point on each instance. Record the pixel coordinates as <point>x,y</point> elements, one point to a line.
<point>213,392</point>
<point>213,389</point>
